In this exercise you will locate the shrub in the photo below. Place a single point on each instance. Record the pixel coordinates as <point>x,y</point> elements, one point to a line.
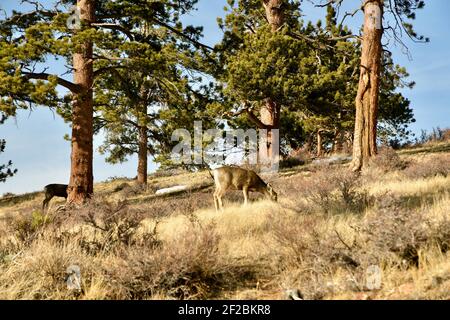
<point>180,204</point>
<point>435,166</point>
<point>116,224</point>
<point>395,235</point>
<point>308,250</point>
<point>185,267</point>
<point>130,190</point>
<point>121,187</point>
<point>27,228</point>
<point>291,162</point>
<point>294,160</point>
<point>388,160</point>
<point>336,190</point>
<point>8,195</point>
<point>160,173</point>
<point>446,134</point>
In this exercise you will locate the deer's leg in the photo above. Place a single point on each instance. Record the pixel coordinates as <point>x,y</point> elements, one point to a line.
<point>219,199</point>
<point>45,202</point>
<point>216,201</point>
<point>245,191</point>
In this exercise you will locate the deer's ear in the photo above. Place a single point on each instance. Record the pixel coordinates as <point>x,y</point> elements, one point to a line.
<point>269,186</point>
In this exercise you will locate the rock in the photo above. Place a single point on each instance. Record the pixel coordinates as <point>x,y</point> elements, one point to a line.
<point>170,190</point>
<point>293,294</point>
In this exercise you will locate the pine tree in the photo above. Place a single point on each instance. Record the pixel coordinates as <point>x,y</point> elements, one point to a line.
<point>91,41</point>
<point>255,33</point>
<point>335,120</point>
<point>310,70</point>
<point>137,103</point>
<point>368,95</point>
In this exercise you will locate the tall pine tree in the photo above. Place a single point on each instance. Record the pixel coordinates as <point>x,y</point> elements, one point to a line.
<point>368,94</point>
<point>91,41</point>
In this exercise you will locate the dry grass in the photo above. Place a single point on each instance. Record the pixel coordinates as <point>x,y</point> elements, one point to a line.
<point>315,239</point>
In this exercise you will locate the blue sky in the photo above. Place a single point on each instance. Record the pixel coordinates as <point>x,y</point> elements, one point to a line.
<point>34,140</point>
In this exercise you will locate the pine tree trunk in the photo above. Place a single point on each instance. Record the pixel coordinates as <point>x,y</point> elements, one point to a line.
<point>365,136</point>
<point>142,156</point>
<point>338,141</point>
<point>319,144</point>
<point>270,117</point>
<point>274,13</point>
<point>270,112</point>
<point>81,176</point>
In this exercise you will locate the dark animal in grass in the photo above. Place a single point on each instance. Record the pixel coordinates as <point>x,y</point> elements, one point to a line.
<point>54,190</point>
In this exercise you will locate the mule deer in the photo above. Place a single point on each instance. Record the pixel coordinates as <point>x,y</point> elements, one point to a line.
<point>54,190</point>
<point>236,178</point>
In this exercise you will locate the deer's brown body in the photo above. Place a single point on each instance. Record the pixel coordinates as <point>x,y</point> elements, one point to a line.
<point>235,178</point>
<point>54,190</point>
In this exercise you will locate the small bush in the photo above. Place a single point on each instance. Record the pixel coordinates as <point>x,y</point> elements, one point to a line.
<point>8,195</point>
<point>439,165</point>
<point>115,222</point>
<point>439,235</point>
<point>294,160</point>
<point>115,178</point>
<point>291,162</point>
<point>180,204</point>
<point>130,190</point>
<point>395,235</point>
<point>388,160</point>
<point>446,135</point>
<point>308,249</point>
<point>27,228</point>
<point>121,187</point>
<point>337,190</point>
<point>296,236</point>
<point>186,267</point>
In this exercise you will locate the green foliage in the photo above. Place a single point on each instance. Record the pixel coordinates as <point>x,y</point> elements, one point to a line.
<point>405,9</point>
<point>27,228</point>
<point>30,42</point>
<point>395,113</point>
<point>143,63</point>
<point>312,71</point>
<point>270,65</point>
<point>158,87</point>
<point>150,70</point>
<point>5,169</point>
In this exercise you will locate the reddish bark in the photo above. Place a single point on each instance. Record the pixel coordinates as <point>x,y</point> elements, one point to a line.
<point>142,156</point>
<point>270,112</point>
<point>365,136</point>
<point>81,175</point>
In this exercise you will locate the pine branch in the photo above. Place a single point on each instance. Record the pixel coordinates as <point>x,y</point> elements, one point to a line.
<point>74,88</point>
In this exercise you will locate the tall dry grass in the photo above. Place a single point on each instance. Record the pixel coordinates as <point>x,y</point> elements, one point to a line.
<point>327,229</point>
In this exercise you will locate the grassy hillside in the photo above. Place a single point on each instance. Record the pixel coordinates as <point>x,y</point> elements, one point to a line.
<point>329,228</point>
